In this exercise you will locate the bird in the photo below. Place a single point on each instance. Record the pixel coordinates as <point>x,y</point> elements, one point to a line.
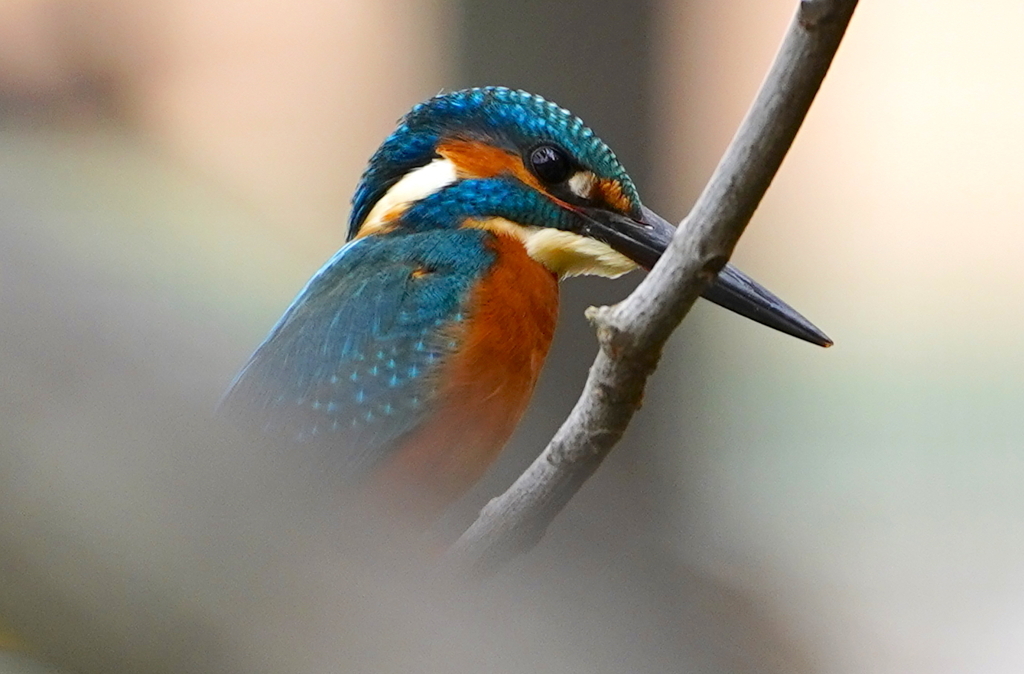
<point>409,358</point>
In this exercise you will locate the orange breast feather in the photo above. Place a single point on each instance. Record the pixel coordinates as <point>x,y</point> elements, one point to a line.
<point>486,385</point>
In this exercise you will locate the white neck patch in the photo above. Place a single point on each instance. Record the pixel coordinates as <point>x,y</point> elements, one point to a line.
<point>414,186</point>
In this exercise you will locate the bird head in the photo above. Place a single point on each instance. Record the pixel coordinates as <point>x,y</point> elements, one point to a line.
<point>510,161</point>
<point>516,164</point>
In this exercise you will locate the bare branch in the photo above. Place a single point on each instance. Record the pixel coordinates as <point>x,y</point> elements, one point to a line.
<point>632,333</point>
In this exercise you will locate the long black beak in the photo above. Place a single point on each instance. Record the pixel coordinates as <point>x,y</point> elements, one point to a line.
<point>645,240</point>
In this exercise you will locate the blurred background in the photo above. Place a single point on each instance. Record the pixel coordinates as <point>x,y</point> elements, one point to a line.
<point>172,171</point>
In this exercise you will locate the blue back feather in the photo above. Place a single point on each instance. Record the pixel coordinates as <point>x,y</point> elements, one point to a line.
<point>349,366</point>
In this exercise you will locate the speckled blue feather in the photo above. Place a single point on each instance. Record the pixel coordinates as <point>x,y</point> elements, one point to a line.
<point>493,197</point>
<point>503,117</point>
<point>348,366</point>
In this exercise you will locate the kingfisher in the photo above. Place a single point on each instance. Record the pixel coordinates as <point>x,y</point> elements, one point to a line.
<point>410,356</point>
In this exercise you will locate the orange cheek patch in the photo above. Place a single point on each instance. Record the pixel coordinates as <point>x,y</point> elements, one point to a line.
<point>474,159</point>
<point>609,191</point>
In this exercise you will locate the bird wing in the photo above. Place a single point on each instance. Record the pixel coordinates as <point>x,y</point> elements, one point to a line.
<point>352,364</point>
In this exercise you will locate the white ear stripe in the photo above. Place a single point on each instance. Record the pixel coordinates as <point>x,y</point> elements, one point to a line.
<point>414,186</point>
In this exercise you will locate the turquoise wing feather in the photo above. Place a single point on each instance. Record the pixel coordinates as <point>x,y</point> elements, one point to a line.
<point>349,366</point>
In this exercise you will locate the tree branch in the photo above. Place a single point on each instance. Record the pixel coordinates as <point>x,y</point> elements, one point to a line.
<point>632,333</point>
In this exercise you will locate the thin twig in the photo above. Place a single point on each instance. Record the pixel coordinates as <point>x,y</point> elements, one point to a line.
<point>632,333</point>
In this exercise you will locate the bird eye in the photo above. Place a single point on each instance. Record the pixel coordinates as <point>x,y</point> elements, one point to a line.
<point>550,164</point>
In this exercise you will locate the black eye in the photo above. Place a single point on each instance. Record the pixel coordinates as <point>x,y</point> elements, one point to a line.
<point>550,164</point>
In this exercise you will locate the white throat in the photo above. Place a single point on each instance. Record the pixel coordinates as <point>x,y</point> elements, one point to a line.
<point>563,253</point>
